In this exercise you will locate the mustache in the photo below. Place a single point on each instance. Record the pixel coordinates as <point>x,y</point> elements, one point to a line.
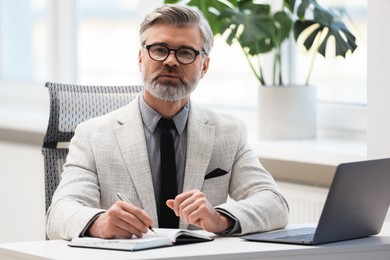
<point>169,69</point>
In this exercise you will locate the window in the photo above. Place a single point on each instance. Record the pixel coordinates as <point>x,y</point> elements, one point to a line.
<point>96,42</point>
<point>107,40</point>
<point>23,40</point>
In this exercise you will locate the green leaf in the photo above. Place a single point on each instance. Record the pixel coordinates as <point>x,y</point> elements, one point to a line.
<point>308,43</point>
<point>335,29</point>
<point>301,10</point>
<point>283,23</point>
<point>249,6</point>
<point>290,5</point>
<point>326,21</point>
<point>260,30</point>
<point>210,9</point>
<point>171,1</point>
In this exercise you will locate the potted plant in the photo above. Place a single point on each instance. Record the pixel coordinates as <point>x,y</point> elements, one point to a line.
<point>260,29</point>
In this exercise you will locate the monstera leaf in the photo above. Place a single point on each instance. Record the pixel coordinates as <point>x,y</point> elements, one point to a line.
<point>253,30</point>
<point>344,39</point>
<point>211,9</point>
<point>323,22</point>
<point>258,31</point>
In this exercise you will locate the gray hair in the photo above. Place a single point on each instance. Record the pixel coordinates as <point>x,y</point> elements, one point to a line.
<point>179,15</point>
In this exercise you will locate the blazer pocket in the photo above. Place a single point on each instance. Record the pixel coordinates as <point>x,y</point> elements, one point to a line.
<point>215,173</point>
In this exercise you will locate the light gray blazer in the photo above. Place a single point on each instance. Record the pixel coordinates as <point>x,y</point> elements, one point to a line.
<point>108,154</point>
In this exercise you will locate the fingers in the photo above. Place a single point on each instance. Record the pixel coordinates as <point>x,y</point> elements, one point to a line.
<point>129,222</point>
<point>133,219</point>
<point>136,216</point>
<point>122,219</point>
<point>190,206</point>
<point>194,208</point>
<point>185,199</point>
<point>170,203</point>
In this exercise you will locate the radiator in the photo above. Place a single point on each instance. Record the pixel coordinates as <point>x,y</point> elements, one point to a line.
<point>306,202</point>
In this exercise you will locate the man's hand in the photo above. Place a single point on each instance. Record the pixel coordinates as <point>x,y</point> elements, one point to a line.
<point>194,208</point>
<point>120,220</point>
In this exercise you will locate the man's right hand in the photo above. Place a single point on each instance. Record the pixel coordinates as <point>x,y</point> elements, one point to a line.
<point>120,220</point>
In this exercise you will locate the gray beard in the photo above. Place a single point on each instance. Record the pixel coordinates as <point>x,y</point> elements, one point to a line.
<point>169,91</point>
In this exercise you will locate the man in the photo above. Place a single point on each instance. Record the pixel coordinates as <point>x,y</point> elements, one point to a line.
<point>120,152</point>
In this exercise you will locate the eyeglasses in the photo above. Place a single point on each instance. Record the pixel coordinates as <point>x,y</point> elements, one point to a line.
<point>184,55</point>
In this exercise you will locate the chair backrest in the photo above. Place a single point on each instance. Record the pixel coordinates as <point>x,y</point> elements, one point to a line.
<point>69,106</point>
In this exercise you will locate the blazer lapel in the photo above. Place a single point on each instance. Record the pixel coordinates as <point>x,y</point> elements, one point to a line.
<point>131,140</point>
<point>200,144</point>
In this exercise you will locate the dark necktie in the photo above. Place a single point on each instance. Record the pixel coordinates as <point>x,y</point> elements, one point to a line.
<point>167,218</point>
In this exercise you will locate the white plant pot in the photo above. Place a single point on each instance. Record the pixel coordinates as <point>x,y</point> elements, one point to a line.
<point>287,112</point>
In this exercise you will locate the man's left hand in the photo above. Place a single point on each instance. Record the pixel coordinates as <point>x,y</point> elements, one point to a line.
<point>194,208</point>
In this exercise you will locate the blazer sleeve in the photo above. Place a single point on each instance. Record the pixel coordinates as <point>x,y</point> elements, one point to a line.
<point>256,202</point>
<point>76,200</point>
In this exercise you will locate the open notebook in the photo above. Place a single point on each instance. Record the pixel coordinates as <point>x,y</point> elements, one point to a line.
<point>162,237</point>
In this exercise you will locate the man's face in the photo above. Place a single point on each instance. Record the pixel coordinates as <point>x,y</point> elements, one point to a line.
<point>168,79</point>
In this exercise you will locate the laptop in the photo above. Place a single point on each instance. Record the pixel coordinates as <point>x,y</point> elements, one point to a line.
<point>356,206</point>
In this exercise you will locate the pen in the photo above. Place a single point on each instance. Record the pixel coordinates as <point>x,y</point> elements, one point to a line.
<point>123,198</point>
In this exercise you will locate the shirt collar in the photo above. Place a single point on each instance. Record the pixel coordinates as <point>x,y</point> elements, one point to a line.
<point>150,117</point>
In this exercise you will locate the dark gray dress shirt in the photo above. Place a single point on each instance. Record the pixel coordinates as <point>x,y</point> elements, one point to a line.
<point>150,119</point>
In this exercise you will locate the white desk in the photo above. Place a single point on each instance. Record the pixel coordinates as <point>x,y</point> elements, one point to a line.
<point>374,247</point>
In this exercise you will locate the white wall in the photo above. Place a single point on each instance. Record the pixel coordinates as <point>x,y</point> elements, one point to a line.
<point>378,96</point>
<point>22,193</point>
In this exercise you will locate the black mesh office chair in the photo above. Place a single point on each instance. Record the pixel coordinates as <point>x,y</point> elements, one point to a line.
<point>69,106</point>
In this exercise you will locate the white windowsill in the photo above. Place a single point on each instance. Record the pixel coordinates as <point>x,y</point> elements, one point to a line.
<point>324,151</point>
<point>320,151</point>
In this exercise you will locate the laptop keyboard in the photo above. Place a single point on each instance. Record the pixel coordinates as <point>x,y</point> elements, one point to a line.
<point>303,237</point>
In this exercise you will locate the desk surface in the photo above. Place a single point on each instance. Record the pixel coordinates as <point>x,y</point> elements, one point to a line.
<point>375,247</point>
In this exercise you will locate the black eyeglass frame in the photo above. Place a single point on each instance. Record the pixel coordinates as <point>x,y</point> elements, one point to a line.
<point>174,50</point>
